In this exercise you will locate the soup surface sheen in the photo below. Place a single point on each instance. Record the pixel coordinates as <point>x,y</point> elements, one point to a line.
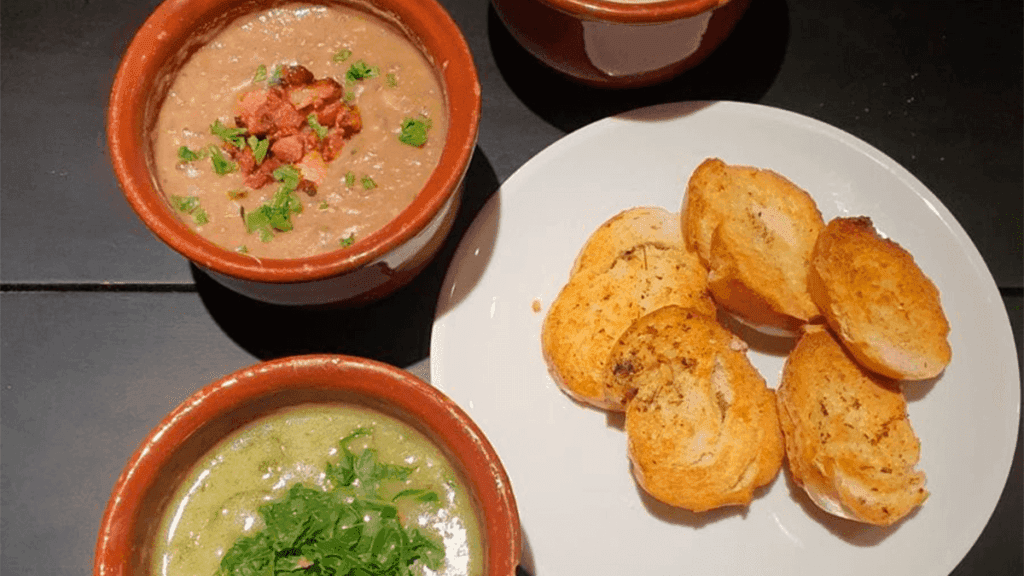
<point>219,502</point>
<point>373,177</point>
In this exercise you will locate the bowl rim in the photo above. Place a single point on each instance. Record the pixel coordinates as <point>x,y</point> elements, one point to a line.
<point>486,480</point>
<point>162,36</point>
<point>621,12</point>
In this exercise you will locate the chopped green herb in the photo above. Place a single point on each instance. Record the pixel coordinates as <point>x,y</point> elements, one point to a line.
<point>418,494</point>
<point>368,183</point>
<point>321,131</point>
<point>243,249</point>
<point>347,241</point>
<point>414,131</point>
<point>341,55</point>
<point>277,215</point>
<point>275,76</point>
<point>259,148</point>
<point>360,70</point>
<point>187,155</point>
<point>391,80</point>
<point>324,205</point>
<point>289,175</point>
<point>350,179</point>
<point>221,165</point>
<point>349,96</point>
<point>186,204</point>
<point>351,529</point>
<point>235,136</point>
<point>261,74</point>
<point>190,205</point>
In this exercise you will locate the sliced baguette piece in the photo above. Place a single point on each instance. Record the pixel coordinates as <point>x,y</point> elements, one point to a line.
<point>701,424</point>
<point>848,440</point>
<point>606,294</point>
<point>754,230</point>
<point>878,301</point>
<point>648,225</point>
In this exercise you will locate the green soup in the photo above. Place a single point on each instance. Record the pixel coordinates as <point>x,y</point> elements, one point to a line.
<point>398,472</point>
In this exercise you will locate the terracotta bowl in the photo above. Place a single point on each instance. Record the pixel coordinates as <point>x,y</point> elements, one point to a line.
<point>166,456</point>
<point>374,266</point>
<point>611,44</point>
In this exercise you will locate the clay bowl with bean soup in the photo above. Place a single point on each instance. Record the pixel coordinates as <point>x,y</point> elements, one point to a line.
<point>620,43</point>
<point>299,153</point>
<point>375,466</point>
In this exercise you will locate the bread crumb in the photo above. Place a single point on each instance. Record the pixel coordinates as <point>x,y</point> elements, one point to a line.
<point>536,305</point>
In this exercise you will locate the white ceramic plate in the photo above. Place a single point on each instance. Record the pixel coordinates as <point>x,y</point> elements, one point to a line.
<point>581,511</point>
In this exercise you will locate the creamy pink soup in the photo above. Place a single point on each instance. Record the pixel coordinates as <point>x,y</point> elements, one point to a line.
<point>376,170</point>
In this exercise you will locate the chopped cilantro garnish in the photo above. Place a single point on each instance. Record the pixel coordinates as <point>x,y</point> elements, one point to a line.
<point>347,241</point>
<point>349,96</point>
<point>341,55</point>
<point>235,136</point>
<point>275,76</point>
<point>350,179</point>
<point>187,155</point>
<point>221,165</point>
<point>418,494</point>
<point>351,529</point>
<point>186,204</point>
<point>414,131</point>
<point>261,74</point>
<point>289,175</point>
<point>324,206</point>
<point>391,80</point>
<point>277,215</point>
<point>321,131</point>
<point>190,205</point>
<point>360,70</point>
<point>243,249</point>
<point>368,183</point>
<point>259,148</point>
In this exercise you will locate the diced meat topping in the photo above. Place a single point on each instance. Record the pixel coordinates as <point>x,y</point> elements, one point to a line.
<point>289,149</point>
<point>262,174</point>
<point>281,113</point>
<point>307,186</point>
<point>295,76</point>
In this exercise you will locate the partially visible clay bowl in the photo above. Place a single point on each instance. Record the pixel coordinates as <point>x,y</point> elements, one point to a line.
<point>611,44</point>
<point>166,456</point>
<point>373,267</point>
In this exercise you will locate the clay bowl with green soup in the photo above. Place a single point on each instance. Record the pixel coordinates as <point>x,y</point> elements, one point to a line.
<point>320,464</point>
<point>304,153</point>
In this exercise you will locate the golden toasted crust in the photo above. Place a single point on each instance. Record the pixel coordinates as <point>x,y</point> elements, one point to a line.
<point>624,231</point>
<point>701,424</point>
<point>848,440</point>
<point>621,274</point>
<point>754,230</point>
<point>879,302</point>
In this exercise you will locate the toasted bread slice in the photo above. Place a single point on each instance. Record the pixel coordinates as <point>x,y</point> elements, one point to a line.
<point>881,305</point>
<point>647,225</point>
<point>605,295</point>
<point>701,423</point>
<point>849,443</point>
<point>754,230</point>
